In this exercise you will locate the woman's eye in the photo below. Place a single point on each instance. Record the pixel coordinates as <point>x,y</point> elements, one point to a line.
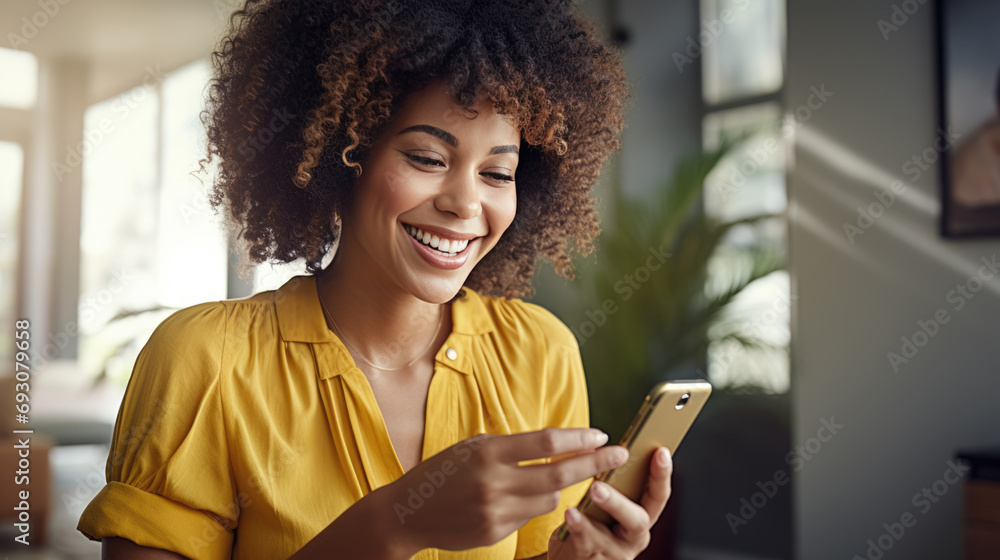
<point>425,160</point>
<point>499,177</point>
<point>434,162</point>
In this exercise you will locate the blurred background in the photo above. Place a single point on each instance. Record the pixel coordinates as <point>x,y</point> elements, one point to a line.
<point>771,224</point>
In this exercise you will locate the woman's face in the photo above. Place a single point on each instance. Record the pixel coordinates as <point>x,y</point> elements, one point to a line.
<point>443,177</point>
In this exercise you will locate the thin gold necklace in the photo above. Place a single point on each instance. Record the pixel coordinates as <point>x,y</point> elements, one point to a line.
<point>340,333</point>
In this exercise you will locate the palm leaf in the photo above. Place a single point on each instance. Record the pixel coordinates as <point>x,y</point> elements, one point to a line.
<point>667,323</point>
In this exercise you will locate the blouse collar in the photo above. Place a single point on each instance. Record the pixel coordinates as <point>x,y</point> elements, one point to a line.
<point>300,317</point>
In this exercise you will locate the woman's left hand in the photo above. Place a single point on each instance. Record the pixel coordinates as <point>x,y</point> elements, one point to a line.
<point>630,535</point>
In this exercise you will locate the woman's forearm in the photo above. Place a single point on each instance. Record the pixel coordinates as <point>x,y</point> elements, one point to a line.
<point>367,529</point>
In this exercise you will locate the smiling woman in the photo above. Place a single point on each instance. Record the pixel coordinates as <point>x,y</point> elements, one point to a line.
<point>401,401</point>
<point>450,179</point>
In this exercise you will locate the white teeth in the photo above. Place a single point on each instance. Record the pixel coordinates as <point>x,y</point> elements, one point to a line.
<point>451,247</point>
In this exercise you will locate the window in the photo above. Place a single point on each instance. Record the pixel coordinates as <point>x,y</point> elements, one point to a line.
<point>744,48</point>
<point>18,94</point>
<point>149,241</point>
<point>191,246</point>
<point>742,80</point>
<point>11,169</point>
<point>20,79</point>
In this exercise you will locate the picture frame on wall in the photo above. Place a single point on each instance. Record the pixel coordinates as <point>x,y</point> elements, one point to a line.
<point>969,136</point>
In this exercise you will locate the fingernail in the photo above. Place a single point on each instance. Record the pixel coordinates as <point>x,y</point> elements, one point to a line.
<point>600,438</point>
<point>621,455</point>
<point>573,516</point>
<point>598,491</point>
<point>661,456</point>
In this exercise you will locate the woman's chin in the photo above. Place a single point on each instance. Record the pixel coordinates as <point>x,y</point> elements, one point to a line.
<point>437,290</point>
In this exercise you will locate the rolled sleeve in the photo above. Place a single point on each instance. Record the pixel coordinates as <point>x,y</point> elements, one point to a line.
<point>171,483</point>
<point>148,519</point>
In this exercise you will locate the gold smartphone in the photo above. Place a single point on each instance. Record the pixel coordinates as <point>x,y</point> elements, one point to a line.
<point>664,417</point>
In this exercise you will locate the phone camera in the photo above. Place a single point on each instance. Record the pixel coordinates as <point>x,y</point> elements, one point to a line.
<point>684,399</point>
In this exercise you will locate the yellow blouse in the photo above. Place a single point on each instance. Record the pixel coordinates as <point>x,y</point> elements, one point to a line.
<point>246,427</point>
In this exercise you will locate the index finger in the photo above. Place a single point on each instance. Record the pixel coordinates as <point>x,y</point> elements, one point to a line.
<point>548,442</point>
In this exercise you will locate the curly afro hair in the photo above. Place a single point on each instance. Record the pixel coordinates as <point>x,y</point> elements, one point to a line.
<point>303,88</point>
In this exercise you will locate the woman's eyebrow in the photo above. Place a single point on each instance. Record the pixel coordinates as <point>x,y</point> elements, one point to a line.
<point>450,139</point>
<point>507,149</point>
<point>433,131</point>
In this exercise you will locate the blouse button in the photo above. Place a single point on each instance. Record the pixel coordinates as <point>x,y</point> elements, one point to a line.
<point>451,353</point>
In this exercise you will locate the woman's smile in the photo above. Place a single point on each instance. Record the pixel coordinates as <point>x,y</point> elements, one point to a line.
<point>447,253</point>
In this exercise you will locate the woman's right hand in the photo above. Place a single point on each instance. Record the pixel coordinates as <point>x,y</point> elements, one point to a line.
<point>474,493</point>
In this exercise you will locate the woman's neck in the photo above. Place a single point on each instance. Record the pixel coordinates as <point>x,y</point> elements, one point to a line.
<point>374,316</point>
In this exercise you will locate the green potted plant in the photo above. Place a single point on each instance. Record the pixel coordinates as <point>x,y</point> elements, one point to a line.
<point>649,307</point>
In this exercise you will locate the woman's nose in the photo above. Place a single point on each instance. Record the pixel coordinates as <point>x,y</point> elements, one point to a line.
<point>460,195</point>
